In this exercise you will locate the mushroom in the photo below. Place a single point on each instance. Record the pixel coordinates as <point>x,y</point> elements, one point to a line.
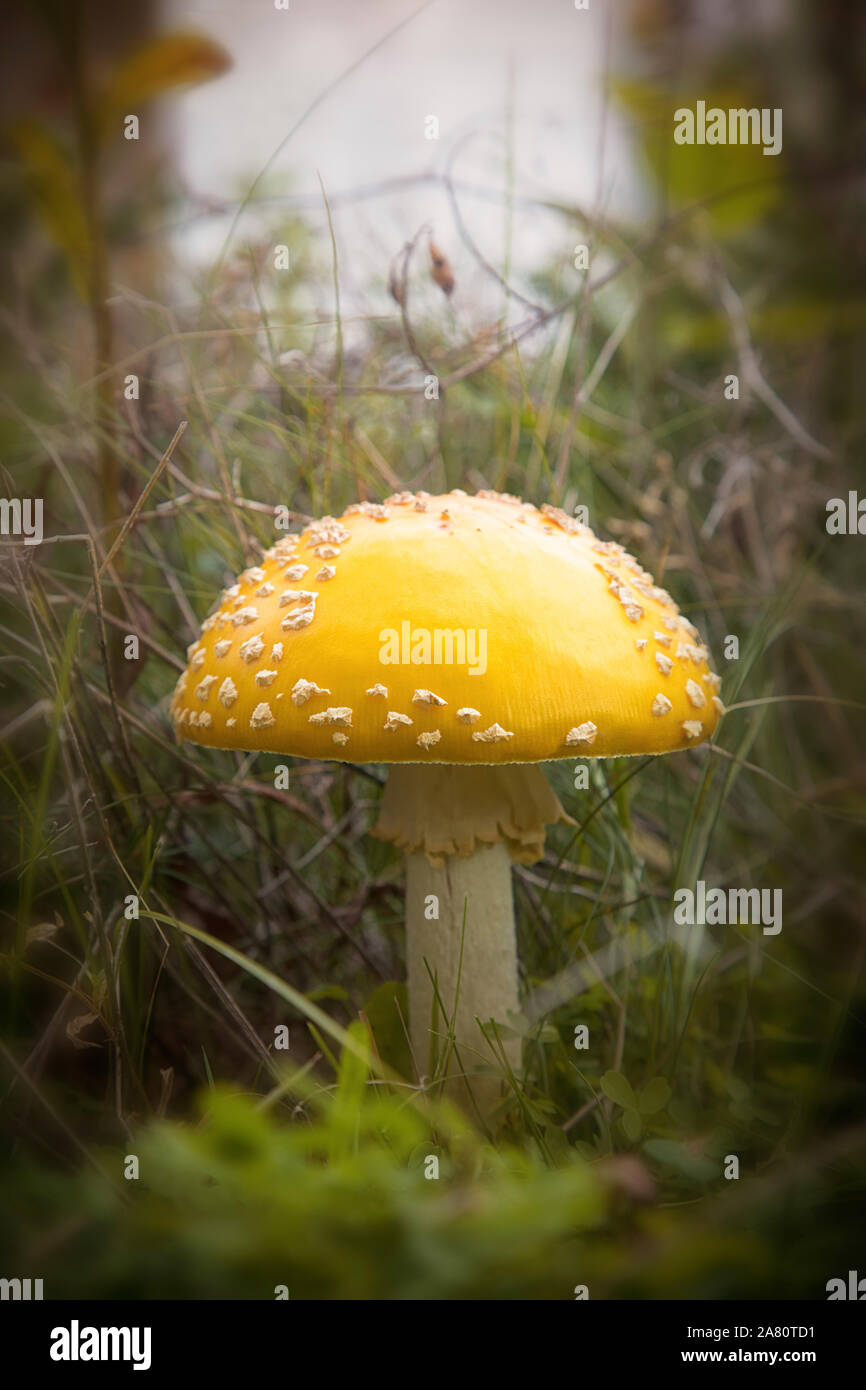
<point>465,640</point>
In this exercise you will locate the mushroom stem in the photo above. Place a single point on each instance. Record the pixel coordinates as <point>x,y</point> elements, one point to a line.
<point>460,826</point>
<point>462,967</point>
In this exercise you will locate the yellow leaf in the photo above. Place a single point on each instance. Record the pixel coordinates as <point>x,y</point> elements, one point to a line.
<point>172,60</point>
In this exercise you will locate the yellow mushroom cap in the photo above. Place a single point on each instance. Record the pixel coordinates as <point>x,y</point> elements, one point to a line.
<point>447,629</point>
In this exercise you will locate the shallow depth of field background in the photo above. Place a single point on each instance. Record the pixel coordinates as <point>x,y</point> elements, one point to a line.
<point>155,259</point>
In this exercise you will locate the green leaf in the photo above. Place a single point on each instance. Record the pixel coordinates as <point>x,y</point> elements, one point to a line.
<point>617,1089</point>
<point>735,185</point>
<point>631,1123</point>
<point>387,1012</point>
<point>585,1150</point>
<point>319,1040</point>
<point>54,189</point>
<point>329,992</point>
<point>677,1156</point>
<point>654,1096</point>
<point>352,1076</point>
<point>557,1145</point>
<point>167,62</point>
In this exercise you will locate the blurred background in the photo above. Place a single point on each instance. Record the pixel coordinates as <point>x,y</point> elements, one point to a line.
<point>237,240</point>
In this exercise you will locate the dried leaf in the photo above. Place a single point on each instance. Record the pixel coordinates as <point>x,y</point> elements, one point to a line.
<point>395,287</point>
<point>441,269</point>
<point>74,1027</point>
<point>98,986</point>
<point>41,931</point>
